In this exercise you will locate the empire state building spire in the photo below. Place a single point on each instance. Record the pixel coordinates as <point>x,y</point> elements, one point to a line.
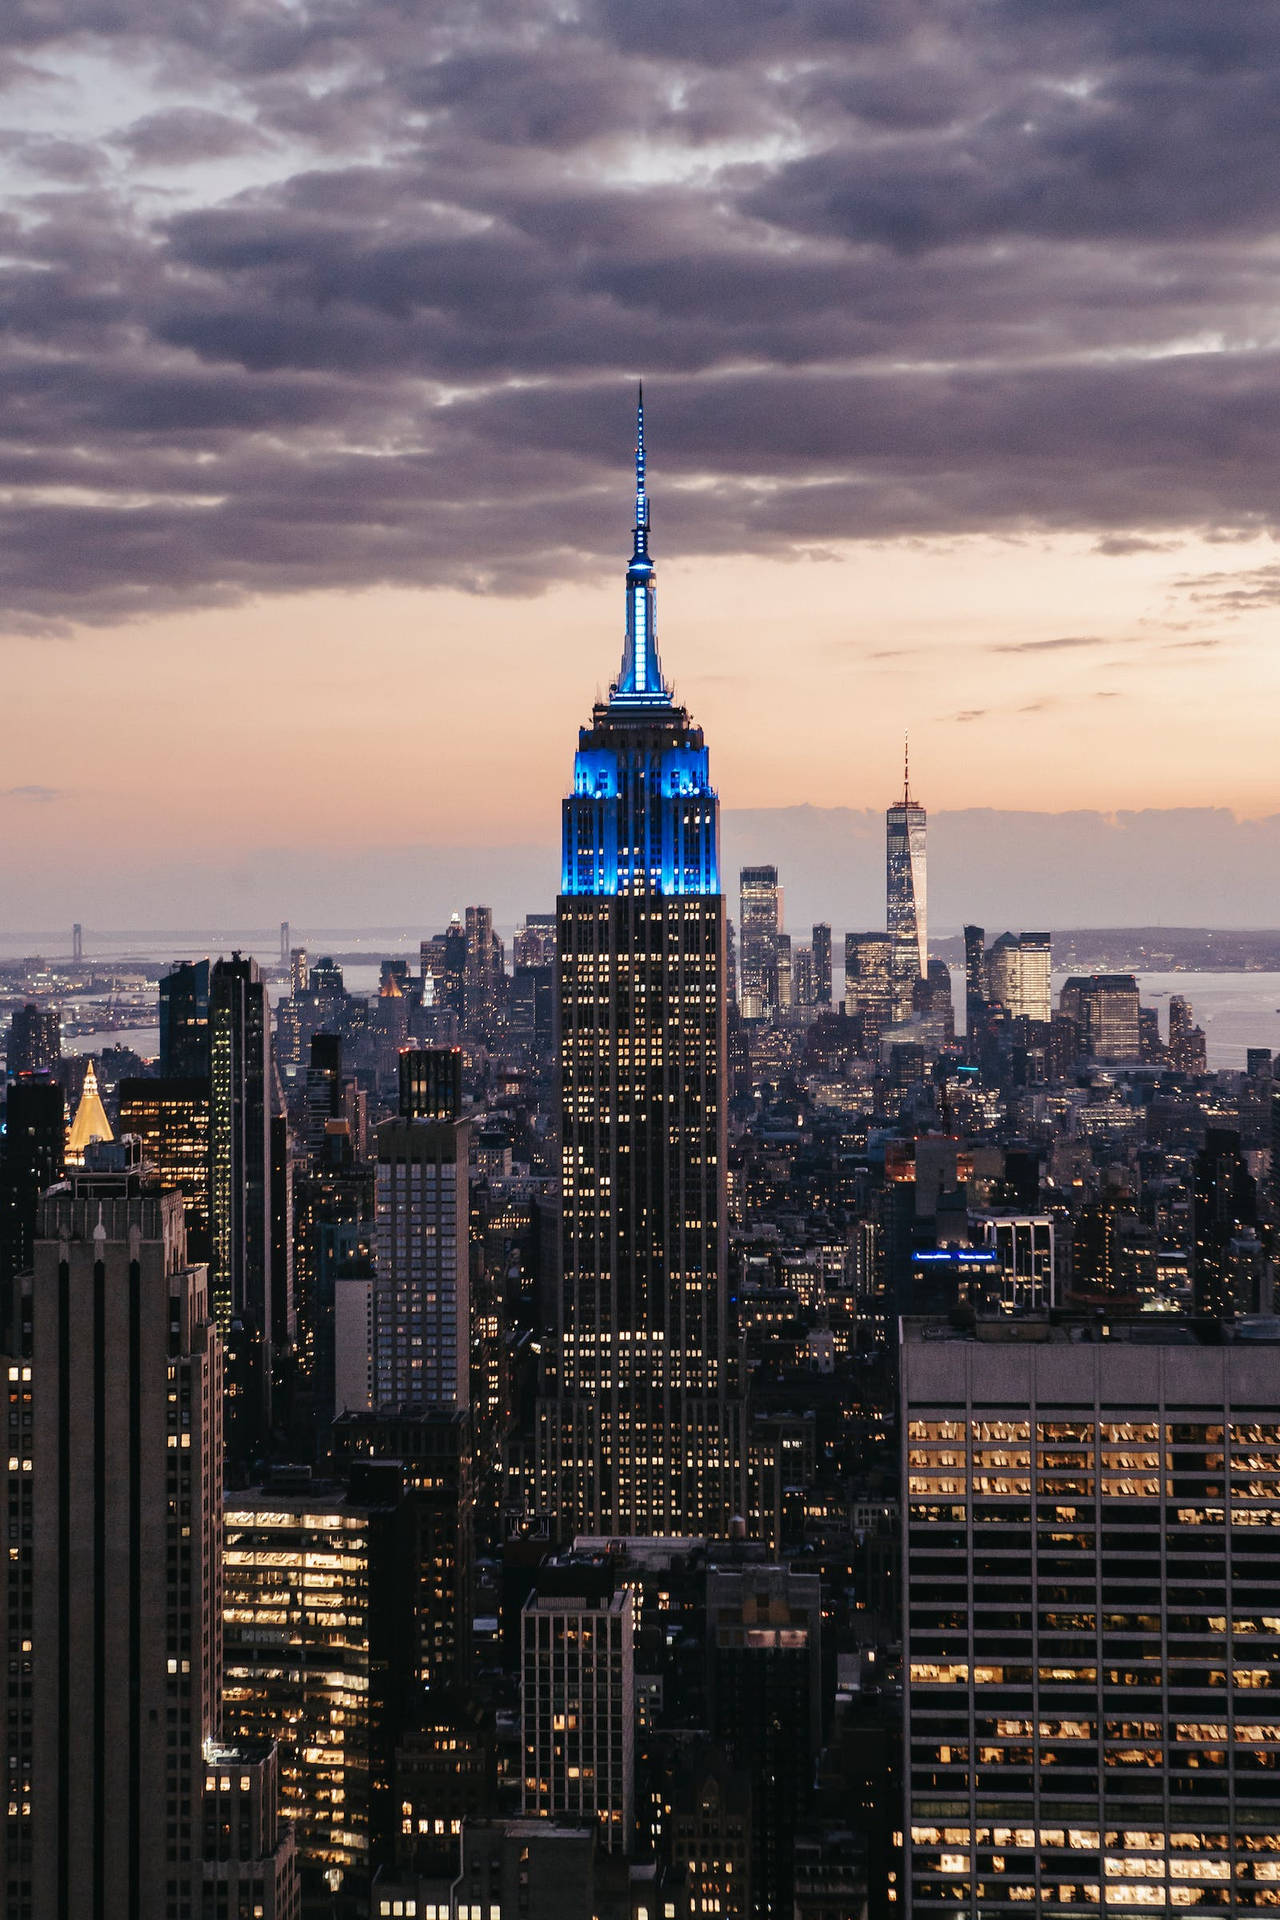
<point>641,676</point>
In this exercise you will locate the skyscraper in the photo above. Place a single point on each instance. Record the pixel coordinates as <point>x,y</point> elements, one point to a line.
<point>111,1609</point>
<point>1017,975</point>
<point>578,1711</point>
<point>759,923</point>
<point>239,1199</point>
<point>184,1020</point>
<point>33,1152</point>
<point>868,981</point>
<point>636,1433</point>
<point>422,1297</point>
<point>763,1642</point>
<point>821,964</point>
<point>171,1118</point>
<point>34,1044</point>
<point>905,824</point>
<point>1090,1652</point>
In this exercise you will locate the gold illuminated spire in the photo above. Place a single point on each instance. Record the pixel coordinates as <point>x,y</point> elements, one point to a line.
<point>91,1122</point>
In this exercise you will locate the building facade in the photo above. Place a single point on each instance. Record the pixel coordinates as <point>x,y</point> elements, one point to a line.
<point>906,887</point>
<point>578,1711</point>
<point>636,1433</point>
<point>422,1290</point>
<point>759,925</point>
<point>110,1613</point>
<point>1091,1654</point>
<point>1017,975</point>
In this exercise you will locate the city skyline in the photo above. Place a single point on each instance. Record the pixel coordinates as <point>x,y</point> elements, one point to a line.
<point>318,352</point>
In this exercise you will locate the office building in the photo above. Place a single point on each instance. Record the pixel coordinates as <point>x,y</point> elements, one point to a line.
<point>764,1651</point>
<point>784,995</point>
<point>1105,1008</point>
<point>171,1119</point>
<point>1226,1263</point>
<point>636,1433</point>
<point>333,1203</point>
<point>184,1021</point>
<point>1024,1247</point>
<point>250,1866</point>
<point>759,924</point>
<point>1188,1051</point>
<point>32,1156</point>
<point>578,1708</point>
<point>1017,976</point>
<point>434,1451</point>
<point>803,985</point>
<point>869,982</point>
<point>318,1657</point>
<point>484,976</point>
<point>907,895</point>
<point>535,941</point>
<point>422,1293</point>
<point>110,1611</point>
<point>1090,1653</point>
<point>821,964</point>
<point>430,1083</point>
<point>239,1193</point>
<point>707,1834</point>
<point>34,1043</point>
<point>975,978</point>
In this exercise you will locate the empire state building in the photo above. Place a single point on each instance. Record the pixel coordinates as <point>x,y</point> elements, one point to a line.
<point>637,1431</point>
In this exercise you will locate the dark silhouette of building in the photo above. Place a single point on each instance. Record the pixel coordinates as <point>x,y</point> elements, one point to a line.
<point>764,1649</point>
<point>34,1044</point>
<point>239,1195</point>
<point>821,964</point>
<point>250,1860</point>
<point>1225,1253</point>
<point>432,1447</point>
<point>113,1491</point>
<point>430,1083</point>
<point>32,1156</point>
<point>184,1021</point>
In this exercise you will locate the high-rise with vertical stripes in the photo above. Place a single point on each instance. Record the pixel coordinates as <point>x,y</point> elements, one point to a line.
<point>637,1430</point>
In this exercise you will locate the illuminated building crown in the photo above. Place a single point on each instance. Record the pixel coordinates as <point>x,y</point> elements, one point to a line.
<point>643,815</point>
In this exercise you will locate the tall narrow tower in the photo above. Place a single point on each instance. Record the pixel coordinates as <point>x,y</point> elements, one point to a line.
<point>637,1433</point>
<point>905,823</point>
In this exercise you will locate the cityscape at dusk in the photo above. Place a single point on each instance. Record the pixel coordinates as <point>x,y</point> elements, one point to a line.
<point>639,963</point>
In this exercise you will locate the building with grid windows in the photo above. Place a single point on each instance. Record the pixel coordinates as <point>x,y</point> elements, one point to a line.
<point>1092,1636</point>
<point>759,932</point>
<point>422,1294</point>
<point>636,1430</point>
<point>112,1485</point>
<point>578,1711</point>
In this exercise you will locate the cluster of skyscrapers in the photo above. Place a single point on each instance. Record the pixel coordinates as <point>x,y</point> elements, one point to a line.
<point>639,1433</point>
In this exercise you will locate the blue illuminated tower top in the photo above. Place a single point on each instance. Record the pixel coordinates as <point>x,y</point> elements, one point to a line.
<point>643,815</point>
<point>641,675</point>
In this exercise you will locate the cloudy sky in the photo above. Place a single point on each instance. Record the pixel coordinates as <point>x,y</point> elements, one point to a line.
<point>321,321</point>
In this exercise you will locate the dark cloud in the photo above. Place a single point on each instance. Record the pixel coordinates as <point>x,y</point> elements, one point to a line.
<point>887,274</point>
<point>185,135</point>
<point>1068,642</point>
<point>42,795</point>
